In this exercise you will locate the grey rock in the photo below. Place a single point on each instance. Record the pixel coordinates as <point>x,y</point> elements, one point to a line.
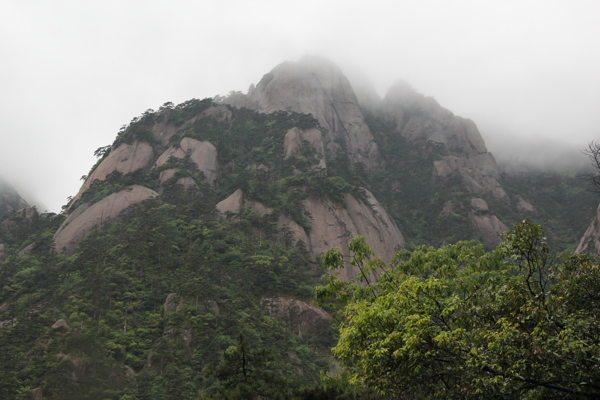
<point>85,218</point>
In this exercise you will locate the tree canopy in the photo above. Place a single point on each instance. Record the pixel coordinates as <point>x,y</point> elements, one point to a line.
<point>457,322</point>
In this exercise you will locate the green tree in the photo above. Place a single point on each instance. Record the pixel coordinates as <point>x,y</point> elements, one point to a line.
<point>458,322</point>
<point>246,373</point>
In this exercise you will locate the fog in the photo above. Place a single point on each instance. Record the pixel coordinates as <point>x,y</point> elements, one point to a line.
<point>72,72</point>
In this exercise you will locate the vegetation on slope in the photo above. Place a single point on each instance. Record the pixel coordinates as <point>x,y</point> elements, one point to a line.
<point>457,322</point>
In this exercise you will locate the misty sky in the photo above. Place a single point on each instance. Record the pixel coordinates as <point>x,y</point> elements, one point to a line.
<point>73,72</point>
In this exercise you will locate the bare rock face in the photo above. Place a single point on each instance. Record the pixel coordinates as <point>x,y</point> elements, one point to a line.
<point>590,241</point>
<point>126,158</point>
<point>479,205</point>
<point>203,154</point>
<point>10,200</point>
<point>85,218</point>
<point>526,205</point>
<point>316,86</point>
<point>300,316</point>
<point>335,225</point>
<point>332,225</point>
<point>7,226</point>
<point>3,254</point>
<point>61,324</point>
<point>295,138</point>
<point>417,117</point>
<point>236,203</point>
<point>488,226</point>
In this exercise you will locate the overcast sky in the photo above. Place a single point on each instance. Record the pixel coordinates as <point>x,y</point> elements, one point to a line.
<point>73,72</point>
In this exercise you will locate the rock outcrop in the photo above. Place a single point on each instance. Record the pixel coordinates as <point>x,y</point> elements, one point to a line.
<point>10,200</point>
<point>316,86</point>
<point>590,241</point>
<point>295,138</point>
<point>85,218</point>
<point>488,225</point>
<point>125,159</point>
<point>300,316</point>
<point>332,224</point>
<point>203,154</point>
<point>236,203</point>
<point>335,225</point>
<point>417,117</point>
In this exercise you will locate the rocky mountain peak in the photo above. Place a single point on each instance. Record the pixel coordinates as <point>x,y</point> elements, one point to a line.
<point>316,86</point>
<point>10,200</point>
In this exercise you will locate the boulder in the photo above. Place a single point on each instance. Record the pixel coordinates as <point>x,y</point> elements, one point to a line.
<point>203,154</point>
<point>85,218</point>
<point>236,203</point>
<point>489,228</point>
<point>479,205</point>
<point>233,204</point>
<point>316,86</point>
<point>61,324</point>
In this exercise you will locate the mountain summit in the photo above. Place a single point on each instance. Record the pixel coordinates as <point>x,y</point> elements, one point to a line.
<point>316,86</point>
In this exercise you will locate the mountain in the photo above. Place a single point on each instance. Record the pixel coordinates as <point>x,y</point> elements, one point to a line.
<point>194,241</point>
<point>10,200</point>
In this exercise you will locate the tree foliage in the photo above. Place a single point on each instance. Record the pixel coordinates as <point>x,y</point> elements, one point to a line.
<point>457,322</point>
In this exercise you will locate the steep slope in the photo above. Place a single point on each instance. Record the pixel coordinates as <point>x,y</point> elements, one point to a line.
<point>590,241</point>
<point>316,86</point>
<point>10,200</point>
<point>420,118</point>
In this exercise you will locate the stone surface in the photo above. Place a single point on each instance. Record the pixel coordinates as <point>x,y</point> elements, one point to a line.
<point>479,205</point>
<point>126,158</point>
<point>525,205</point>
<point>170,303</point>
<point>236,203</point>
<point>25,250</point>
<point>417,117</point>
<point>7,226</point>
<point>335,225</point>
<point>85,218</point>
<point>590,241</point>
<point>294,140</point>
<point>203,154</point>
<point>61,324</point>
<point>3,253</point>
<point>332,225</point>
<point>300,316</point>
<point>489,228</point>
<point>316,86</point>
<point>233,204</point>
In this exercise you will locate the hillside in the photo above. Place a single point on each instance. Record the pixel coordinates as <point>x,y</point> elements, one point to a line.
<point>10,200</point>
<point>196,236</point>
